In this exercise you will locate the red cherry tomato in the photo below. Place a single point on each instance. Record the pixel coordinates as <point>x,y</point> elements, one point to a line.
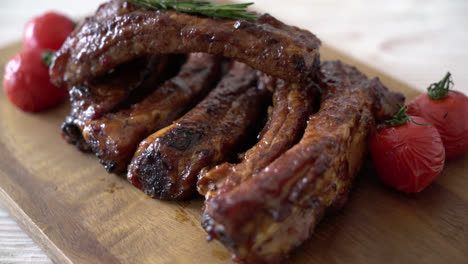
<point>449,116</point>
<point>408,157</point>
<point>27,83</point>
<point>48,31</point>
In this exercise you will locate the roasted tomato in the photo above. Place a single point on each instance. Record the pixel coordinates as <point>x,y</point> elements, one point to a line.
<point>27,83</point>
<point>48,31</point>
<point>407,153</point>
<point>447,110</point>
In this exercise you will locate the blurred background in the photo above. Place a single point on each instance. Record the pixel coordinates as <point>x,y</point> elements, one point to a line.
<point>415,41</point>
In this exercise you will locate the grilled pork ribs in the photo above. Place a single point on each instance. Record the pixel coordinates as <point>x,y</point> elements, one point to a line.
<point>290,195</point>
<point>167,163</point>
<point>265,44</point>
<point>115,136</point>
<point>179,128</point>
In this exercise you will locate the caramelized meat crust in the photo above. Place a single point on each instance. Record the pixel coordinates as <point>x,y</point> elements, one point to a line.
<point>115,136</point>
<point>265,44</point>
<point>105,94</point>
<point>292,106</point>
<point>166,164</point>
<point>263,218</point>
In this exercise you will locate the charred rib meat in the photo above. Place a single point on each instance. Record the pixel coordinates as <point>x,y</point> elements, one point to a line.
<point>166,164</point>
<point>265,44</point>
<point>263,218</point>
<point>91,100</point>
<point>292,106</point>
<point>115,137</point>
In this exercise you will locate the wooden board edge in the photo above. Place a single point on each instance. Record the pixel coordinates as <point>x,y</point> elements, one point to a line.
<point>29,227</point>
<point>11,206</point>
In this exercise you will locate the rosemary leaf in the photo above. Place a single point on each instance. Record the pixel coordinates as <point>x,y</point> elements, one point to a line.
<point>205,8</point>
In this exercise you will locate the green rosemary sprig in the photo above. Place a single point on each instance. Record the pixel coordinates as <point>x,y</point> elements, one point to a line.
<point>205,8</point>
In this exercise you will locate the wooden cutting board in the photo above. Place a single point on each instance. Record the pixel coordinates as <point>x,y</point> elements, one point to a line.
<point>77,213</point>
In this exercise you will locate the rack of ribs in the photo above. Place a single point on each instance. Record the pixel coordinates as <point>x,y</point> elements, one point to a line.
<point>115,136</point>
<point>292,105</point>
<point>264,217</point>
<point>167,163</point>
<point>265,43</point>
<point>267,204</point>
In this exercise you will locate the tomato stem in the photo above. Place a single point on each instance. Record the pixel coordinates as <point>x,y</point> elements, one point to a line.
<point>401,118</point>
<point>439,90</point>
<point>47,57</point>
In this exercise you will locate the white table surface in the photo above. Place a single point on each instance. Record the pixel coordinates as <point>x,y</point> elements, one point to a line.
<point>416,41</point>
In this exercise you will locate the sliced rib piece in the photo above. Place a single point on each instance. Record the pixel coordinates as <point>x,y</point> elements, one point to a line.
<point>265,217</point>
<point>115,137</point>
<point>108,93</point>
<point>292,106</point>
<point>102,42</point>
<point>166,163</point>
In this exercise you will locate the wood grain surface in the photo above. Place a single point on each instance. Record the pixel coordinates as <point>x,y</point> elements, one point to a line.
<point>78,213</point>
<point>412,40</point>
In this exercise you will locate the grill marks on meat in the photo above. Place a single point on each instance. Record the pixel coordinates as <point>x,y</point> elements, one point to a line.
<point>103,95</point>
<point>265,44</point>
<point>115,137</point>
<point>166,164</point>
<point>292,106</point>
<point>263,218</point>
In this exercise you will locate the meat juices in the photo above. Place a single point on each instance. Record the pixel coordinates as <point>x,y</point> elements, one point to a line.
<point>266,43</point>
<point>263,218</point>
<point>166,164</point>
<point>292,106</point>
<point>115,136</point>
